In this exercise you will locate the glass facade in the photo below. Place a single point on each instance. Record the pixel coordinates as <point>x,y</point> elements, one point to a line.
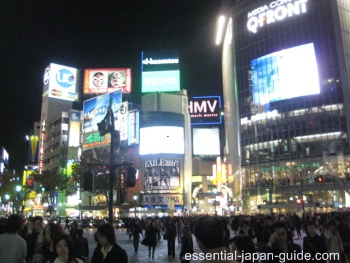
<point>290,61</point>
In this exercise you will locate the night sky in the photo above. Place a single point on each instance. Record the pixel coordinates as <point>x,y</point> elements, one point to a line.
<point>97,34</point>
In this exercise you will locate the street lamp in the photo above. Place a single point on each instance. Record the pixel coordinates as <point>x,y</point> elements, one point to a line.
<point>18,190</point>
<point>135,203</point>
<point>215,192</point>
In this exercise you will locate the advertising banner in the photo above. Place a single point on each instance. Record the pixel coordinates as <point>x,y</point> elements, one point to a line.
<point>161,174</point>
<point>205,110</point>
<point>74,128</point>
<point>107,80</point>
<point>121,121</point>
<point>61,82</point>
<point>134,127</point>
<point>162,199</point>
<point>160,71</point>
<point>95,109</point>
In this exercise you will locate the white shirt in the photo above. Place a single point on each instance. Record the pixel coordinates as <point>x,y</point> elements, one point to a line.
<point>13,248</point>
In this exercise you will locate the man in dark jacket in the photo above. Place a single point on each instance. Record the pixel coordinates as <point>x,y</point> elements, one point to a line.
<point>278,244</point>
<point>313,243</point>
<point>34,240</point>
<point>170,230</point>
<point>136,231</point>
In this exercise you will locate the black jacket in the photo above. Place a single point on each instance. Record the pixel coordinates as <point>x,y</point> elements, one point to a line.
<point>115,255</point>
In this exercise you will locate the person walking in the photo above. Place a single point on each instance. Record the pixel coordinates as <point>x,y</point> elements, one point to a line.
<point>107,250</point>
<point>136,231</point>
<point>186,244</point>
<point>151,237</point>
<point>13,248</point>
<point>170,231</point>
<point>64,251</point>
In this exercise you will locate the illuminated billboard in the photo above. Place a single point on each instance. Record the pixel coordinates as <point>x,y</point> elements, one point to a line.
<point>4,156</point>
<point>97,81</point>
<point>162,139</point>
<point>74,128</point>
<point>201,135</point>
<point>161,174</point>
<point>61,82</point>
<point>95,109</point>
<point>94,140</point>
<point>134,127</point>
<point>205,110</point>
<point>285,74</point>
<point>160,71</point>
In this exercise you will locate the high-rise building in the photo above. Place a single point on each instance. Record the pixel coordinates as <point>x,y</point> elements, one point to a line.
<point>287,103</point>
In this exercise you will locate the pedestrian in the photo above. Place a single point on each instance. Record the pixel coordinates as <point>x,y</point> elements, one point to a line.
<point>278,243</point>
<point>51,232</point>
<point>136,231</point>
<point>107,250</point>
<point>151,237</point>
<point>170,230</point>
<point>81,246</point>
<point>242,244</point>
<point>209,233</point>
<point>13,248</point>
<point>64,250</point>
<point>313,243</point>
<point>186,244</point>
<point>35,240</point>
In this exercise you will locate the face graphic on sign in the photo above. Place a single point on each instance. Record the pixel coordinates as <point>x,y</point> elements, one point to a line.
<point>98,79</point>
<point>117,79</point>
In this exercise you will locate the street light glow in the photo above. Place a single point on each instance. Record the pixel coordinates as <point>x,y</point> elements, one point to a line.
<point>220,29</point>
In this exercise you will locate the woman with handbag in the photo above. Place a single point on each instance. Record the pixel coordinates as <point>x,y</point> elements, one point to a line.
<point>151,237</point>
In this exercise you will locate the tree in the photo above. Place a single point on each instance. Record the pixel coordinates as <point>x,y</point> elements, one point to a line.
<point>90,160</point>
<point>50,182</point>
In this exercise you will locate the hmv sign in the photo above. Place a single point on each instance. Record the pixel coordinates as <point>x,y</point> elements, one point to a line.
<point>205,110</point>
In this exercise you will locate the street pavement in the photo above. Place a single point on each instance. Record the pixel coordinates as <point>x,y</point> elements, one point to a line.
<point>161,252</point>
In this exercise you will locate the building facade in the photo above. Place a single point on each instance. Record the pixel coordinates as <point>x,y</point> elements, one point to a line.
<point>287,104</point>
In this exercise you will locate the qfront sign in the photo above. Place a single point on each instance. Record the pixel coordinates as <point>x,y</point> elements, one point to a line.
<point>274,12</point>
<point>60,82</point>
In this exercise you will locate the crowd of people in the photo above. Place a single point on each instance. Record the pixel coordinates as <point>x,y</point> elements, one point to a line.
<point>35,242</point>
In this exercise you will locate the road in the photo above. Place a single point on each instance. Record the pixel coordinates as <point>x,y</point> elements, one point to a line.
<point>160,255</point>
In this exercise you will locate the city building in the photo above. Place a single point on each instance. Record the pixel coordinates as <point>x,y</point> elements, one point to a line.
<point>287,104</point>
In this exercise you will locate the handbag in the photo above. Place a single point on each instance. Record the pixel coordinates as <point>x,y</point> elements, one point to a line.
<point>166,235</point>
<point>144,241</point>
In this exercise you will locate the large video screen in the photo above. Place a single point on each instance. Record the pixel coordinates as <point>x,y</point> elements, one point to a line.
<point>162,139</point>
<point>285,74</point>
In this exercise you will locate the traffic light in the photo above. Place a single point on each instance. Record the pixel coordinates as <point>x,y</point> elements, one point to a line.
<point>88,181</point>
<point>131,176</point>
<point>319,179</point>
<point>299,201</point>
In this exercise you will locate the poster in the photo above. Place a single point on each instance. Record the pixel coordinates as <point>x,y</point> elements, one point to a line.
<point>161,174</point>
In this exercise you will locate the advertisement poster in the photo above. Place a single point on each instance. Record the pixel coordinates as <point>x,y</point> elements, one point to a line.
<point>60,82</point>
<point>107,80</point>
<point>162,199</point>
<point>95,109</point>
<point>161,174</point>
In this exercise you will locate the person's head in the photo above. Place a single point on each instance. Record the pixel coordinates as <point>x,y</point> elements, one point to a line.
<point>64,248</point>
<point>80,232</point>
<point>245,224</point>
<point>241,243</point>
<point>280,228</point>
<point>186,232</point>
<point>311,228</point>
<point>52,231</point>
<point>337,220</point>
<point>106,234</point>
<point>38,223</point>
<point>13,224</point>
<point>154,224</point>
<point>209,233</point>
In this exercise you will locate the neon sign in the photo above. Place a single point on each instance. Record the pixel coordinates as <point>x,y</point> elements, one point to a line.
<point>274,12</point>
